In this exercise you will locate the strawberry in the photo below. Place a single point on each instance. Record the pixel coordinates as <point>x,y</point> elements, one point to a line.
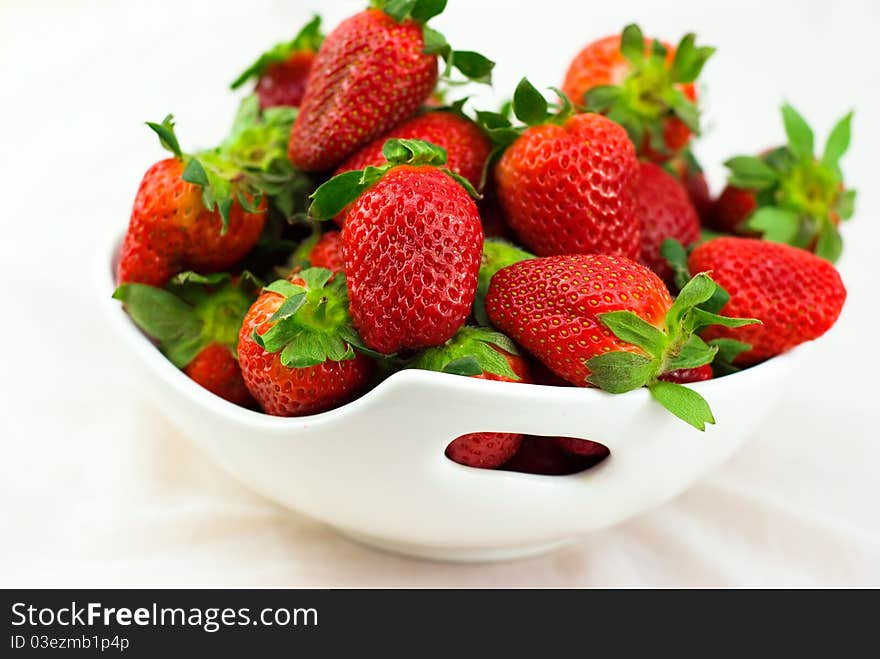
<point>373,71</point>
<point>797,295</point>
<point>789,195</point>
<point>479,353</point>
<point>206,211</point>
<point>544,456</point>
<point>688,375</point>
<point>195,321</point>
<point>584,448</point>
<point>665,211</point>
<point>327,252</point>
<point>497,254</point>
<point>297,346</point>
<point>646,87</point>
<point>606,321</point>
<point>412,244</point>
<point>282,71</point>
<point>466,146</point>
<point>567,183</point>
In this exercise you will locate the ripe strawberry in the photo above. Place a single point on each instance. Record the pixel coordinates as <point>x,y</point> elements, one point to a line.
<point>466,146</point>
<point>687,169</point>
<point>688,375</point>
<point>497,254</point>
<point>296,346</point>
<point>789,195</point>
<point>544,456</point>
<point>412,244</point>
<point>195,321</point>
<point>585,448</point>
<point>665,212</point>
<point>327,252</point>
<point>647,87</point>
<point>567,184</point>
<point>374,70</point>
<point>609,322</point>
<point>797,295</point>
<point>282,71</point>
<point>479,353</point>
<point>203,211</point>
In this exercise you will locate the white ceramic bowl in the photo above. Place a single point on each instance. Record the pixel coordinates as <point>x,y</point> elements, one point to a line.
<point>375,469</point>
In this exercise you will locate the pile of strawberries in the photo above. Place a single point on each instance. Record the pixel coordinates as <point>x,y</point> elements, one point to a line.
<point>355,223</point>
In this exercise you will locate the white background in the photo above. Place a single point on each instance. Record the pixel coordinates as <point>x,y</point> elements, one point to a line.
<point>96,488</point>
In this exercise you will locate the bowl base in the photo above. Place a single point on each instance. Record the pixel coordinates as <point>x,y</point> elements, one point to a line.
<point>455,554</point>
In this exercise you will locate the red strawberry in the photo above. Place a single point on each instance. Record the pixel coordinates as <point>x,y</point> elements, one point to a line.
<point>648,87</point>
<point>412,245</point>
<point>687,169</point>
<point>607,321</point>
<point>466,146</point>
<point>665,212</point>
<point>203,212</point>
<point>568,186</point>
<point>371,72</point>
<point>296,346</point>
<point>797,295</point>
<point>688,375</point>
<point>195,321</point>
<point>216,369</point>
<point>731,210</point>
<point>327,252</point>
<point>282,71</point>
<point>544,456</point>
<point>585,448</point>
<point>480,353</point>
<point>789,195</point>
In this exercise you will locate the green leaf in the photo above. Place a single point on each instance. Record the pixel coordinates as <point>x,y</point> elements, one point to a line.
<point>195,173</point>
<point>399,10</point>
<point>500,340</point>
<point>845,204</point>
<point>309,38</point>
<point>776,224</point>
<point>677,258</point>
<point>167,138</point>
<point>697,291</point>
<point>717,302</point>
<point>529,105</point>
<point>689,60</point>
<point>686,111</point>
<point>837,143</point>
<point>284,288</point>
<point>830,244</point>
<point>601,97</point>
<point>472,65</point>
<point>159,313</point>
<point>619,372</point>
<point>699,318</point>
<point>413,152</point>
<point>800,135</point>
<point>685,403</point>
<point>425,10</point>
<point>750,173</point>
<point>287,309</point>
<point>334,195</point>
<point>632,44</point>
<point>304,349</point>
<point>435,43</point>
<point>693,354</point>
<point>629,327</point>
<point>728,351</point>
<point>190,277</point>
<point>315,278</point>
<point>467,366</point>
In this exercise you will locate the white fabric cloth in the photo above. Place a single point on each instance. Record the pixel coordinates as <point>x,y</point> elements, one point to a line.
<point>97,489</point>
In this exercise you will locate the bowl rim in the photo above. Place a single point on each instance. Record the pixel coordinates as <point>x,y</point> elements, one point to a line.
<point>176,379</point>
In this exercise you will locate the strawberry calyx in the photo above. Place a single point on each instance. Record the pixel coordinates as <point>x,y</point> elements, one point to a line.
<point>335,194</point>
<point>658,350</point>
<point>800,197</point>
<point>497,254</point>
<point>192,312</point>
<point>471,352</point>
<point>650,92</point>
<point>312,325</point>
<point>250,163</point>
<point>474,66</point>
<point>308,39</point>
